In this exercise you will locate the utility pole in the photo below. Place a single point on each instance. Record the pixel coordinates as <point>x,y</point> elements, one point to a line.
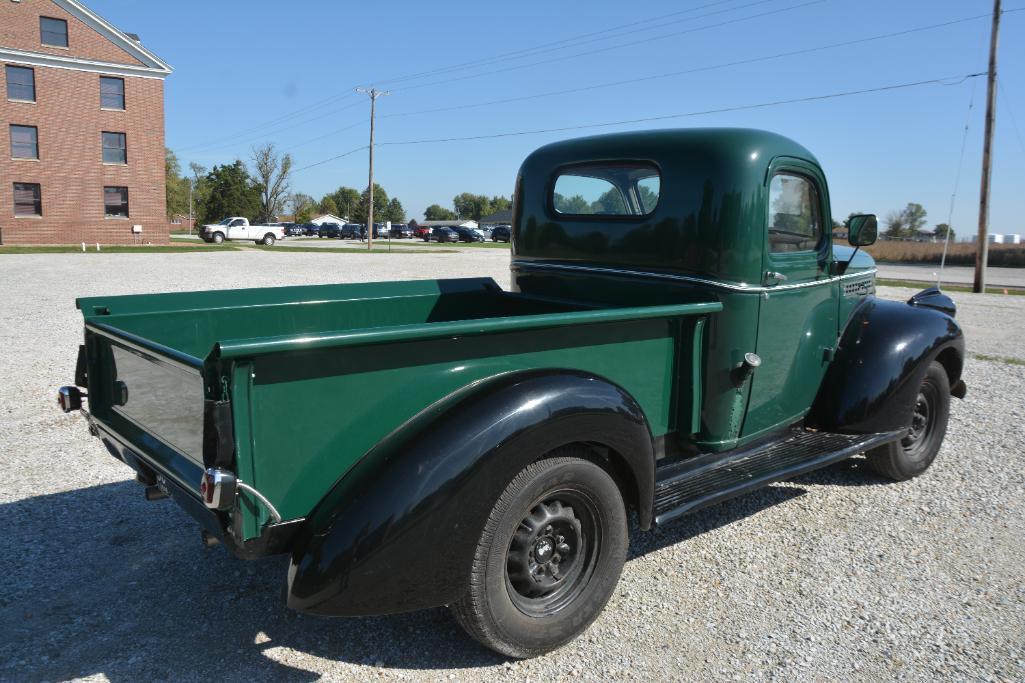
<point>982,253</point>
<point>373,93</point>
<point>192,221</point>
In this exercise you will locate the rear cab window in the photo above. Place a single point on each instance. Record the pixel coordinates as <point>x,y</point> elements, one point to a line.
<point>606,189</point>
<point>795,222</point>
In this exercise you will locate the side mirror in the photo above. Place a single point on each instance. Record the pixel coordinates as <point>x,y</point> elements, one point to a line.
<point>862,230</point>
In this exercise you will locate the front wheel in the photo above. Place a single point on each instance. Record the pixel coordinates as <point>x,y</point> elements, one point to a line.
<point>548,559</point>
<point>912,455</point>
<point>218,238</point>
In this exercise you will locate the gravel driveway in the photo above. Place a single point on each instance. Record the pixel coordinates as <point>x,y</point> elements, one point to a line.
<point>835,575</point>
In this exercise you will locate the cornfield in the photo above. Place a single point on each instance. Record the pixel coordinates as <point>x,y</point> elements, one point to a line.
<point>958,254</point>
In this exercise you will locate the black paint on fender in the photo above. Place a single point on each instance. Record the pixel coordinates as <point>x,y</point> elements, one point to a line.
<point>882,357</point>
<point>398,532</point>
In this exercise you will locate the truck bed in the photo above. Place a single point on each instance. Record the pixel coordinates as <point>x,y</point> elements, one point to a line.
<point>319,375</point>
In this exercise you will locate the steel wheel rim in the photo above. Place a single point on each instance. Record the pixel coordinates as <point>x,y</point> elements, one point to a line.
<point>923,422</point>
<point>553,552</point>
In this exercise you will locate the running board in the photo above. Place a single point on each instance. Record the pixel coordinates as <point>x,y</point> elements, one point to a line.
<point>707,479</point>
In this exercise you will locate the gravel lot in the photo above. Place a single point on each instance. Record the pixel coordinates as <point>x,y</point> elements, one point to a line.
<point>835,575</point>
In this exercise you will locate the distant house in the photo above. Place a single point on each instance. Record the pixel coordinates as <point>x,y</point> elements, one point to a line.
<point>497,218</point>
<point>454,223</point>
<point>329,218</point>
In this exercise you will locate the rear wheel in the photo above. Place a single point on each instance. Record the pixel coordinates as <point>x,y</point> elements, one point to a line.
<point>268,239</point>
<point>549,558</point>
<point>912,455</point>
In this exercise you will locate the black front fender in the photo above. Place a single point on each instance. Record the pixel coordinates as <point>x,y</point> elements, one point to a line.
<point>882,357</point>
<point>398,532</point>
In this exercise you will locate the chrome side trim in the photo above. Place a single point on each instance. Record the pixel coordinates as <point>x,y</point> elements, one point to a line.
<point>718,284</point>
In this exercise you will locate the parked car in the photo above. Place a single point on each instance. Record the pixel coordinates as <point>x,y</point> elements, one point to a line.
<point>351,231</point>
<point>442,235</point>
<point>421,232</point>
<point>515,451</point>
<point>237,228</point>
<point>330,230</point>
<point>501,233</point>
<point>468,234</point>
<point>312,229</point>
<point>296,229</point>
<point>401,231</point>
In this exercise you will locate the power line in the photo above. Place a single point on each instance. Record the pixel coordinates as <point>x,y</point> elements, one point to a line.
<point>649,39</point>
<point>957,183</point>
<point>1010,112</point>
<point>334,158</point>
<point>684,72</point>
<point>648,119</point>
<point>579,40</point>
<point>524,52</point>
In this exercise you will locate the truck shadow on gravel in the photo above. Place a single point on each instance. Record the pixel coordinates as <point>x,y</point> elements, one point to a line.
<point>98,581</point>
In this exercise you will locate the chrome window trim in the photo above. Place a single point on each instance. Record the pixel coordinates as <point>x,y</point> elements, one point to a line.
<point>719,284</point>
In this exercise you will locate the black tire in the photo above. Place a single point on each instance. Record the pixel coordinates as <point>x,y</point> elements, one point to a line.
<point>912,455</point>
<point>566,509</point>
<point>218,238</point>
<point>268,240</point>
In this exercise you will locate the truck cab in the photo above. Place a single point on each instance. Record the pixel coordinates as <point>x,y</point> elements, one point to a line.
<point>681,329</point>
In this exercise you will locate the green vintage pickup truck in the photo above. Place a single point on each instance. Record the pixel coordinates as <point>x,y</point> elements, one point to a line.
<point>680,330</point>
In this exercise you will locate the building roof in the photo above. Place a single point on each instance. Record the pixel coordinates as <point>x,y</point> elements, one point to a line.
<point>498,217</point>
<point>450,223</point>
<point>152,66</point>
<point>328,218</point>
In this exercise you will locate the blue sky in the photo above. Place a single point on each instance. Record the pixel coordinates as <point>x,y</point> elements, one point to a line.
<point>258,71</point>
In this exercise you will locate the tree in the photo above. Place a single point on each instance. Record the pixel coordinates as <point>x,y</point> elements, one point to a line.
<point>437,212</point>
<point>500,203</point>
<point>328,205</point>
<point>347,200</point>
<point>906,222</point>
<point>232,192</point>
<point>359,210</point>
<point>471,206</point>
<point>177,187</point>
<point>895,227</point>
<point>302,207</point>
<point>395,213</point>
<point>271,172</point>
<point>575,204</point>
<point>941,231</point>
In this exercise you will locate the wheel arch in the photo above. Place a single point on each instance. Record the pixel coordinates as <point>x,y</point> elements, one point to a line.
<point>398,531</point>
<point>883,354</point>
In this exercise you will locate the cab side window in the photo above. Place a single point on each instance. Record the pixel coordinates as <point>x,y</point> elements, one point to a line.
<point>794,220</point>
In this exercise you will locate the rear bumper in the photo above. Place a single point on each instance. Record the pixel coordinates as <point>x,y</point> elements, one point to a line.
<point>274,539</point>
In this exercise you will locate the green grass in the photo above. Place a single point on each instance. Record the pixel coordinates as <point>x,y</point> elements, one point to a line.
<point>1010,360</point>
<point>115,249</point>
<point>378,249</point>
<point>913,284</point>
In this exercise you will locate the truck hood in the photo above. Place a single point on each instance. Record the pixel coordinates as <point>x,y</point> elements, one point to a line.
<point>862,260</point>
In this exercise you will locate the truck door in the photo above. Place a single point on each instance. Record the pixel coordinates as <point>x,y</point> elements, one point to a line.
<point>237,230</point>
<point>798,305</point>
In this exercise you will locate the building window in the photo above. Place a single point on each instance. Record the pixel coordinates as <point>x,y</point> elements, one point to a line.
<point>21,83</point>
<point>115,202</point>
<point>112,92</point>
<point>53,32</point>
<point>24,142</point>
<point>28,199</point>
<point>115,150</point>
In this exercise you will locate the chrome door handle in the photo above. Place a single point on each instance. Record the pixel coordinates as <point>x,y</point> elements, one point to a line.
<point>774,278</point>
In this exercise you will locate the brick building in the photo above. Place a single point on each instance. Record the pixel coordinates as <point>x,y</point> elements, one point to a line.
<point>81,129</point>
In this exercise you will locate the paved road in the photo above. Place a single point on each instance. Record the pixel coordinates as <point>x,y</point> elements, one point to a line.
<point>995,277</point>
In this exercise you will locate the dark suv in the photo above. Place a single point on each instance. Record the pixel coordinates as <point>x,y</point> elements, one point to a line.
<point>501,233</point>
<point>442,235</point>
<point>330,230</point>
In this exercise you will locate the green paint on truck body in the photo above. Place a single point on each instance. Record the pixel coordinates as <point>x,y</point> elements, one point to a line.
<point>663,305</point>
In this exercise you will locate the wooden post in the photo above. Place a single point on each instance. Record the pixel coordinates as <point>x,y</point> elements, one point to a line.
<point>982,253</point>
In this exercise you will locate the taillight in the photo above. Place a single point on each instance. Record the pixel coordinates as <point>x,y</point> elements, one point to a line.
<point>217,488</point>
<point>69,398</point>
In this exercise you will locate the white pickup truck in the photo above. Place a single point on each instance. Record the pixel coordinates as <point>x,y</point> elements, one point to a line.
<point>238,228</point>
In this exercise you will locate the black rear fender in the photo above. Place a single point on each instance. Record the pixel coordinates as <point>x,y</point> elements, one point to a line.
<point>882,356</point>
<point>398,532</point>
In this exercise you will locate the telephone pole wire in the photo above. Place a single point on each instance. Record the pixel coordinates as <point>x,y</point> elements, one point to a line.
<point>982,253</point>
<point>374,93</point>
